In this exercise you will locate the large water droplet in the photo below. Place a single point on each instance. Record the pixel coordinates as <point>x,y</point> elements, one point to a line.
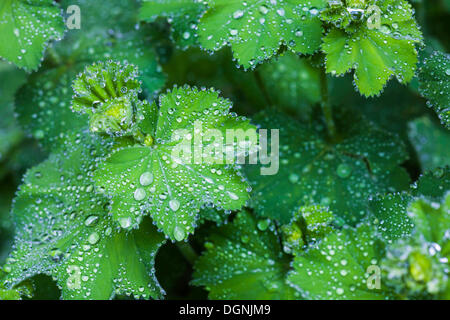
<point>174,204</point>
<point>178,233</point>
<point>139,194</point>
<point>146,178</point>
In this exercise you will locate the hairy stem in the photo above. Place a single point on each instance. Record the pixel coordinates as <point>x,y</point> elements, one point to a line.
<point>187,251</point>
<point>325,104</point>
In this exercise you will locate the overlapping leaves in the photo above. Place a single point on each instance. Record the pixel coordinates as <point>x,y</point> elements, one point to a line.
<point>156,177</point>
<point>64,230</point>
<point>26,27</point>
<point>183,15</point>
<point>341,174</point>
<point>377,50</point>
<point>434,74</point>
<point>43,104</point>
<point>244,260</point>
<point>256,29</point>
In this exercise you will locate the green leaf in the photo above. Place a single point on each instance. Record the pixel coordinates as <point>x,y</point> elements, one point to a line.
<point>434,74</point>
<point>417,267</point>
<point>256,29</point>
<point>183,16</point>
<point>158,178</point>
<point>24,289</point>
<point>292,82</point>
<point>389,216</point>
<point>376,54</point>
<point>340,175</point>
<point>63,230</point>
<point>430,142</point>
<point>433,184</point>
<point>337,267</point>
<point>243,262</point>
<point>121,15</point>
<point>26,27</point>
<point>389,213</point>
<point>308,225</point>
<point>10,133</point>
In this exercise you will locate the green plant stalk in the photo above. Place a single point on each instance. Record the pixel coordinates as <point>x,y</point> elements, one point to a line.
<point>325,104</point>
<point>262,87</point>
<point>187,251</point>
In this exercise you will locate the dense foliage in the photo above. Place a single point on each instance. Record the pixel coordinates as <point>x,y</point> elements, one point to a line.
<point>94,204</point>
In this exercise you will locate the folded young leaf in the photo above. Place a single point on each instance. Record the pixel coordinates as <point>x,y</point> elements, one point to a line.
<point>389,213</point>
<point>26,27</point>
<point>256,29</point>
<point>64,230</point>
<point>179,167</point>
<point>244,260</point>
<point>43,103</point>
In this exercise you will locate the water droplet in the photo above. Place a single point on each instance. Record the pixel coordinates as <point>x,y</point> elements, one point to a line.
<point>293,178</point>
<point>146,178</point>
<point>91,220</point>
<point>233,32</point>
<point>238,14</point>
<point>174,204</point>
<point>263,224</point>
<point>93,238</point>
<point>178,233</point>
<point>232,195</point>
<point>139,194</point>
<point>344,170</point>
<point>125,222</point>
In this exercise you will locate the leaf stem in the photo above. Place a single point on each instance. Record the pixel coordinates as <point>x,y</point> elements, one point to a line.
<point>262,87</point>
<point>188,252</point>
<point>325,104</point>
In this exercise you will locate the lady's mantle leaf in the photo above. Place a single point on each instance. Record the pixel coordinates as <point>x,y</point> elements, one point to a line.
<point>183,15</point>
<point>434,75</point>
<point>431,143</point>
<point>308,225</point>
<point>243,260</point>
<point>256,29</point>
<point>339,263</point>
<point>417,266</point>
<point>24,289</point>
<point>376,54</point>
<point>170,184</point>
<point>63,230</point>
<point>341,175</point>
<point>26,26</point>
<point>389,212</point>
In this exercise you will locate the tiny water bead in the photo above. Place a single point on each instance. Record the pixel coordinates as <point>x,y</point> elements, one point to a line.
<point>344,170</point>
<point>91,220</point>
<point>263,224</point>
